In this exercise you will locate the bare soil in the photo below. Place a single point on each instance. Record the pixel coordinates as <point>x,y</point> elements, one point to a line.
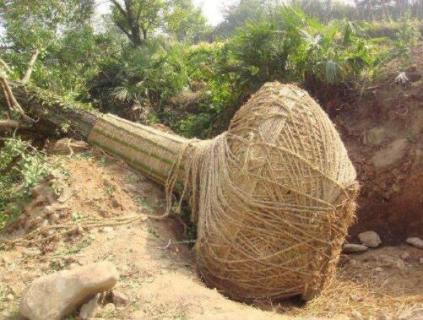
<point>383,132</point>
<point>157,266</point>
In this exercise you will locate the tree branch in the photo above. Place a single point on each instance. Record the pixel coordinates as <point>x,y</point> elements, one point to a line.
<point>5,65</point>
<point>13,104</point>
<point>122,28</point>
<point>31,64</point>
<point>119,7</point>
<point>9,124</point>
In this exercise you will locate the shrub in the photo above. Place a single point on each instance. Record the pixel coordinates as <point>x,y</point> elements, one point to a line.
<point>21,168</point>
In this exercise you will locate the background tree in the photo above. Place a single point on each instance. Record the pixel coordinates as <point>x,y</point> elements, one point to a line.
<point>239,14</point>
<point>185,21</point>
<point>137,18</point>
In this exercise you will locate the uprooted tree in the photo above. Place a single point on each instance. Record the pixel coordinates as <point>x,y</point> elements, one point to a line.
<point>272,197</point>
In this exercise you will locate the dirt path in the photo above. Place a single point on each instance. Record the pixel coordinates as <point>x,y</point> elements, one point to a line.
<point>158,271</point>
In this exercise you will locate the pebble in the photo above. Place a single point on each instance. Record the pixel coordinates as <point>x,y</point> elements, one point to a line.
<point>421,260</point>
<point>370,239</point>
<point>415,242</point>
<point>353,248</point>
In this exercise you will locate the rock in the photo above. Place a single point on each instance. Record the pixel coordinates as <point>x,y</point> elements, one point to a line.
<point>370,239</point>
<point>56,295</point>
<point>354,248</point>
<point>89,309</point>
<point>421,260</point>
<point>120,299</point>
<point>415,242</point>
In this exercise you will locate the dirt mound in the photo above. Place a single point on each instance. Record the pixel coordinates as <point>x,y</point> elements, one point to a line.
<point>383,132</point>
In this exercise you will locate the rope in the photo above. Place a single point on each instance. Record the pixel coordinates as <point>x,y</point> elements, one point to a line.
<point>273,197</point>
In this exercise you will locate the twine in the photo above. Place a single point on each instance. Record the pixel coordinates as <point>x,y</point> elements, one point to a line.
<point>273,198</point>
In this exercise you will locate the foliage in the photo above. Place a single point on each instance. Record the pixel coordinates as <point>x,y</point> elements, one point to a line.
<point>70,50</point>
<point>137,18</point>
<point>35,24</point>
<point>185,21</point>
<point>21,167</point>
<point>148,57</point>
<point>146,76</point>
<point>407,36</point>
<point>290,47</point>
<point>361,10</point>
<point>237,15</point>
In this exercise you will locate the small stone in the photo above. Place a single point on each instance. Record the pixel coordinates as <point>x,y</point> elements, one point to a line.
<point>415,242</point>
<point>120,299</point>
<point>370,239</point>
<point>89,309</point>
<point>378,269</point>
<point>421,260</point>
<point>354,248</point>
<point>56,295</point>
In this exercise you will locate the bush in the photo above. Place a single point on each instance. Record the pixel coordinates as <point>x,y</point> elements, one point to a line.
<point>21,168</point>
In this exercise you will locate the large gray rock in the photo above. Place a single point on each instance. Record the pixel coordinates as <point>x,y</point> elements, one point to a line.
<point>370,239</point>
<point>57,295</point>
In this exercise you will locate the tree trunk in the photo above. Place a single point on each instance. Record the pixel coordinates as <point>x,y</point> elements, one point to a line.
<point>148,150</point>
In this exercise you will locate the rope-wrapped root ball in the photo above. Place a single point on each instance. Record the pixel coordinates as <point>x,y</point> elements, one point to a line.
<point>274,196</point>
